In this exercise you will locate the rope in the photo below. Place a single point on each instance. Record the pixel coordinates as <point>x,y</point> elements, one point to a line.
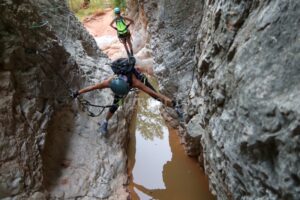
<point>47,10</point>
<point>67,28</point>
<point>85,104</point>
<point>39,25</point>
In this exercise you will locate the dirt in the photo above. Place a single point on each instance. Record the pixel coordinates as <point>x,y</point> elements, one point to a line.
<point>98,25</point>
<point>106,37</point>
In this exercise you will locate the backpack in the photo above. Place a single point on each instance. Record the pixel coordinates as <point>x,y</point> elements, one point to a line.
<point>121,26</point>
<point>122,66</point>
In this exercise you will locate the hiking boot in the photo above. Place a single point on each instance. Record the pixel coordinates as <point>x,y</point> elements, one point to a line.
<point>102,128</point>
<point>178,108</point>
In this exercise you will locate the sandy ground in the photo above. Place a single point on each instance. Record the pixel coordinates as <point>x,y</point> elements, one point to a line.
<point>108,42</point>
<point>99,25</point>
<point>105,36</point>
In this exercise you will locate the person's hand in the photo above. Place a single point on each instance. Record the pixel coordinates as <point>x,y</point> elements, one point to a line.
<point>75,94</point>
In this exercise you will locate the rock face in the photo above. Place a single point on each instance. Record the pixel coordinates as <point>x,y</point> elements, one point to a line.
<point>235,66</point>
<point>49,146</point>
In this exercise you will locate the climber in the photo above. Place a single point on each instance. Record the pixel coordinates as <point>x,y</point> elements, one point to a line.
<point>122,30</point>
<point>126,77</point>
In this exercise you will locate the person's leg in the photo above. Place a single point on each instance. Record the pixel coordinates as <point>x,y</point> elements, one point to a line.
<point>123,41</point>
<point>148,84</point>
<point>128,40</point>
<point>112,110</point>
<point>143,79</point>
<point>109,115</point>
<point>138,84</point>
<point>114,107</point>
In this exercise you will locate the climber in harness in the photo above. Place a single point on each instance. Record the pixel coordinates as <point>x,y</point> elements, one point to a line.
<point>125,78</point>
<point>122,30</point>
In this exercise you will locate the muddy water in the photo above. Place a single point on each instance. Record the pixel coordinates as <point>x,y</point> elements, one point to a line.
<point>158,166</point>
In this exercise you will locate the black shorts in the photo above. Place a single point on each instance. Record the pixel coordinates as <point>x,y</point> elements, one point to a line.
<point>124,36</point>
<point>118,100</point>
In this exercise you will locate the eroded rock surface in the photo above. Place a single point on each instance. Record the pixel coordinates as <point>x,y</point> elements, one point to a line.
<point>235,66</point>
<point>49,147</point>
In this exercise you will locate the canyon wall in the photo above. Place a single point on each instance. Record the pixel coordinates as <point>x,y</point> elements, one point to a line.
<point>49,147</point>
<point>235,67</point>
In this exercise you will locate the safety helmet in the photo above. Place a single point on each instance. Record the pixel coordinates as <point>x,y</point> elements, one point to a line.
<point>119,86</point>
<point>131,60</point>
<point>117,10</point>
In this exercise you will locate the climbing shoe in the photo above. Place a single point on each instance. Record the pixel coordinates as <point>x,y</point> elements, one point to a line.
<point>102,128</point>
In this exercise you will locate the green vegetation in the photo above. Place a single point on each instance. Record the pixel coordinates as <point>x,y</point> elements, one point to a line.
<point>119,3</point>
<point>82,11</point>
<point>94,7</point>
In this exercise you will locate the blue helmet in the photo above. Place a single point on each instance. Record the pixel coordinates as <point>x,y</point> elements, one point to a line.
<point>119,86</point>
<point>117,10</point>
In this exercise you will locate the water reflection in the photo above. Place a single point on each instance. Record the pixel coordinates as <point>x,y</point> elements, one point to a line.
<point>181,176</point>
<point>158,165</point>
<point>149,120</point>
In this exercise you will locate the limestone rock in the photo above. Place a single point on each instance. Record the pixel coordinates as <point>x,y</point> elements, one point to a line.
<point>235,66</point>
<point>49,147</point>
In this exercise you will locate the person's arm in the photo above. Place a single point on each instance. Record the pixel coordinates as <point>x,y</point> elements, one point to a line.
<point>138,84</point>
<point>111,24</point>
<point>102,85</point>
<point>130,21</point>
<point>89,88</point>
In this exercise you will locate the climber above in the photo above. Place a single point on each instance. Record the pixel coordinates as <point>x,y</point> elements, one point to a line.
<point>122,30</point>
<point>126,77</point>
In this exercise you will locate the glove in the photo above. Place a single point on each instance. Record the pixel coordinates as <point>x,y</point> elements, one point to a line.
<point>75,94</point>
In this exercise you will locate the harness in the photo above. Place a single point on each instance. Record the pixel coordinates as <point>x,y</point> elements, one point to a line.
<point>121,26</point>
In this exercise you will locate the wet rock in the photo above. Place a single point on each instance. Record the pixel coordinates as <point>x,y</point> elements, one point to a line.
<point>49,147</point>
<point>194,128</point>
<point>235,65</point>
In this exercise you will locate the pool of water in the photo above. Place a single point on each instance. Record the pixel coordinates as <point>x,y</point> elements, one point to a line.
<point>158,166</point>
